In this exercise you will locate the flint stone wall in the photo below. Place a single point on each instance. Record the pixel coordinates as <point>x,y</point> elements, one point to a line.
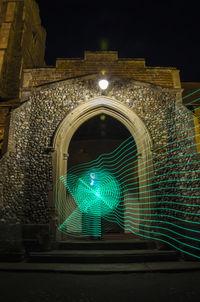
<point>26,169</point>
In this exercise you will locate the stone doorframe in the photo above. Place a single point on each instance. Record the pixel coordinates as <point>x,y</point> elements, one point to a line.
<point>119,111</point>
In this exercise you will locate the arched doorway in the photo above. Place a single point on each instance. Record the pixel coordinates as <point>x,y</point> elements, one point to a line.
<point>103,136</point>
<point>130,120</point>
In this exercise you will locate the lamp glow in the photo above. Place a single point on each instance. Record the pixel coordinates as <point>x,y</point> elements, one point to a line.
<point>103,84</point>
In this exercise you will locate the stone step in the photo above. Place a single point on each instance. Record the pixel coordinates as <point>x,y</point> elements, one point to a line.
<point>102,256</point>
<point>133,244</point>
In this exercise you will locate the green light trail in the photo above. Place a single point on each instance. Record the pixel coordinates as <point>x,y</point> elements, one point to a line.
<point>116,187</point>
<point>165,153</point>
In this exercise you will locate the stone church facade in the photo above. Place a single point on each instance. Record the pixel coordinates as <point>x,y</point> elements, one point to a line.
<point>45,107</point>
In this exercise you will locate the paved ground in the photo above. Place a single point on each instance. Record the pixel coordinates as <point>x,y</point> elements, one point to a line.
<point>164,266</point>
<point>134,287</point>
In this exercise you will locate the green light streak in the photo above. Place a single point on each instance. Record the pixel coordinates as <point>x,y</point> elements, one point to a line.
<point>92,193</point>
<point>159,127</point>
<point>106,199</point>
<point>165,153</point>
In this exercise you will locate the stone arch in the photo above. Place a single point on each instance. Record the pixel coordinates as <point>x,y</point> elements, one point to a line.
<point>116,109</point>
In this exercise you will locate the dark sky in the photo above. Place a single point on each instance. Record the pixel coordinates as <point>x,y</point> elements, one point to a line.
<point>166,33</point>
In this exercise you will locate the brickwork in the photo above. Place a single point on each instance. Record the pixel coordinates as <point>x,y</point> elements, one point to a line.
<point>108,62</point>
<point>5,109</point>
<point>22,43</point>
<point>191,99</point>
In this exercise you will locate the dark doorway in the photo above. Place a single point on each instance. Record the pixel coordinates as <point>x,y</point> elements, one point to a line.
<point>99,135</point>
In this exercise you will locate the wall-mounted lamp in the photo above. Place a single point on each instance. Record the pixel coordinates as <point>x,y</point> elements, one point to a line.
<point>103,84</point>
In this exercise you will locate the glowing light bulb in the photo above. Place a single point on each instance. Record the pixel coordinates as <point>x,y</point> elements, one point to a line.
<point>103,84</point>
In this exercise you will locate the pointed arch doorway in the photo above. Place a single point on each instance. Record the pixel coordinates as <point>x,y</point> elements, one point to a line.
<point>99,137</point>
<point>103,106</point>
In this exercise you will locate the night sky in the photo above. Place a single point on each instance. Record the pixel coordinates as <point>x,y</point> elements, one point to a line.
<point>165,34</point>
